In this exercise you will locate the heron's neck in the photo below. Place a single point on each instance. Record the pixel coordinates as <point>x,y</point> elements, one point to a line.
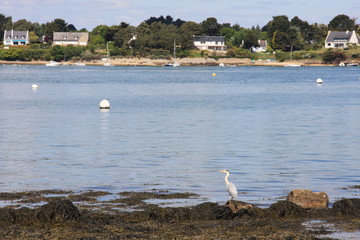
<point>226,177</point>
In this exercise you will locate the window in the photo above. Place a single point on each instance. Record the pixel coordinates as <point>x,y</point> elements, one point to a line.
<point>202,42</point>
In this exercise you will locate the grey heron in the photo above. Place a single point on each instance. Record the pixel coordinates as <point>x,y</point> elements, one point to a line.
<point>230,186</point>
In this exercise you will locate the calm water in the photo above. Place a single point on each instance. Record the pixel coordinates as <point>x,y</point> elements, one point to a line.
<point>175,128</point>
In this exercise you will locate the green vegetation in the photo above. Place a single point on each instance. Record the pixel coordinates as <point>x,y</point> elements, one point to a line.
<point>154,38</point>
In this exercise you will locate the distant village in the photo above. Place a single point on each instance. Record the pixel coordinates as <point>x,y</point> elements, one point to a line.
<point>164,37</point>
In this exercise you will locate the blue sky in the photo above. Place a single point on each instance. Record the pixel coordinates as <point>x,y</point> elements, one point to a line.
<point>90,13</point>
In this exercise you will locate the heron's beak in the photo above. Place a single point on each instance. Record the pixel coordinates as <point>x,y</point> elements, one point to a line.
<point>222,171</point>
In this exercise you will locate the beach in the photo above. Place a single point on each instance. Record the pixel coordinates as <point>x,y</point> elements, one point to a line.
<point>229,62</point>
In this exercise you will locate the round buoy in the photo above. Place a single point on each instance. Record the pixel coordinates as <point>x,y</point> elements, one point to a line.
<point>214,74</point>
<point>319,81</point>
<point>34,86</point>
<point>104,104</point>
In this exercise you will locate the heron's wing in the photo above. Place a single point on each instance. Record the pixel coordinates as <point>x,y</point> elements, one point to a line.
<point>232,190</point>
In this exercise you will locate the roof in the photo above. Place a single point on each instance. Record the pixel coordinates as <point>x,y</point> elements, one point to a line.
<point>340,36</point>
<point>71,36</point>
<point>11,34</point>
<point>209,38</point>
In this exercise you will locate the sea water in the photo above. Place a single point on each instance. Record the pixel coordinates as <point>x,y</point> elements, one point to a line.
<point>173,129</point>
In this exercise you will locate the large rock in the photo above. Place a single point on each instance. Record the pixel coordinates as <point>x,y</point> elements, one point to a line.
<point>58,211</point>
<point>308,199</point>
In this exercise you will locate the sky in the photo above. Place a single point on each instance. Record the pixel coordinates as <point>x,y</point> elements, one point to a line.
<point>91,13</point>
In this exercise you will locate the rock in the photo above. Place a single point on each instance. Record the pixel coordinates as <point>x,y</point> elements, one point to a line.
<point>7,215</point>
<point>308,199</point>
<point>347,207</point>
<point>58,211</point>
<point>237,205</point>
<point>286,209</point>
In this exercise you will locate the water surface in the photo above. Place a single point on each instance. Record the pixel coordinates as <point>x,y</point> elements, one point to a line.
<point>175,128</point>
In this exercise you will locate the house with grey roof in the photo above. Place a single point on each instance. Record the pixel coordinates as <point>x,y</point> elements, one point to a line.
<point>341,39</point>
<point>71,38</point>
<point>262,46</point>
<point>16,38</point>
<point>211,43</point>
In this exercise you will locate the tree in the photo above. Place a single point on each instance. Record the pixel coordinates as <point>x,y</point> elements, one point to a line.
<point>278,31</point>
<point>58,25</point>
<point>33,37</point>
<point>99,34</point>
<point>71,28</point>
<point>186,33</point>
<point>250,39</point>
<point>5,24</point>
<point>211,26</point>
<point>168,20</point>
<point>342,23</point>
<point>22,25</point>
<point>305,28</point>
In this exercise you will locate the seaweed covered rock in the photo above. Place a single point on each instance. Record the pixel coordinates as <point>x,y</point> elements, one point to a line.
<point>7,215</point>
<point>308,199</point>
<point>347,207</point>
<point>58,211</point>
<point>204,211</point>
<point>210,211</point>
<point>286,209</point>
<point>166,214</point>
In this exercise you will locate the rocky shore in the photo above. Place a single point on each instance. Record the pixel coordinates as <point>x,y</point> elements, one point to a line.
<point>230,62</point>
<point>133,215</point>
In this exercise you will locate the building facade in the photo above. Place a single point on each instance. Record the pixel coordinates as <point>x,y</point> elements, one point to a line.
<point>341,39</point>
<point>16,38</point>
<point>211,43</point>
<point>71,38</point>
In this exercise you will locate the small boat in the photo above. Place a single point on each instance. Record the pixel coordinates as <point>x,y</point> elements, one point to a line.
<point>78,64</point>
<point>292,65</point>
<point>175,64</point>
<point>108,63</point>
<point>221,65</point>
<point>52,64</point>
<point>348,64</point>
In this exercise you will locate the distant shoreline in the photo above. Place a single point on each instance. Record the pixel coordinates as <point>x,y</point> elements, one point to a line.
<point>229,62</point>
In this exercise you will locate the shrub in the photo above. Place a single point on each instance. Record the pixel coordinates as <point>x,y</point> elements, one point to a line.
<point>333,56</point>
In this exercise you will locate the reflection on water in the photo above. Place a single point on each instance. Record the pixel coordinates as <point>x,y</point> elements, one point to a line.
<point>174,129</point>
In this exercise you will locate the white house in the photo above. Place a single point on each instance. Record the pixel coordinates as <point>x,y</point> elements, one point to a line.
<point>262,46</point>
<point>71,38</point>
<point>212,43</point>
<point>341,39</point>
<point>16,37</point>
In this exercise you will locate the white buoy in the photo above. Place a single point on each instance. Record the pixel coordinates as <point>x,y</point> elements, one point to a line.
<point>104,104</point>
<point>319,81</point>
<point>34,86</point>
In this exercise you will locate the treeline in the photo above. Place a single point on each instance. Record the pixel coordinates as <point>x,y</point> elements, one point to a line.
<point>155,37</point>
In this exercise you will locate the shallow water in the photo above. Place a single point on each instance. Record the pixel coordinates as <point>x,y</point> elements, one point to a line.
<point>175,128</point>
